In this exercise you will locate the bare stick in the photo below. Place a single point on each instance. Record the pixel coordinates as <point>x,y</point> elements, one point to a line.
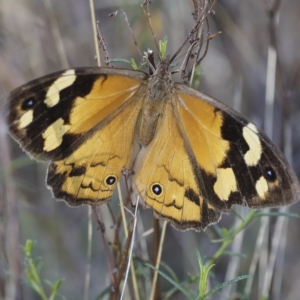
<point>193,31</point>
<point>131,247</point>
<point>131,31</point>
<point>102,231</point>
<point>162,238</point>
<point>101,44</point>
<point>149,20</point>
<point>92,9</point>
<point>89,254</point>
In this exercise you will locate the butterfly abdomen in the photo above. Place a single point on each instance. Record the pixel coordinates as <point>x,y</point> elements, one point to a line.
<point>148,123</point>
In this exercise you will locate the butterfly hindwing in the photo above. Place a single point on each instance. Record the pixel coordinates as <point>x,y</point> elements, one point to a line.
<point>165,179</point>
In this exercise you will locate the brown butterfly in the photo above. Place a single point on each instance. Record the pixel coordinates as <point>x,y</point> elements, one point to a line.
<point>191,156</point>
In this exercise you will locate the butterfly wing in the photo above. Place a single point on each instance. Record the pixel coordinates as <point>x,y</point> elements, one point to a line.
<point>84,121</point>
<point>165,178</point>
<point>205,158</point>
<point>239,161</point>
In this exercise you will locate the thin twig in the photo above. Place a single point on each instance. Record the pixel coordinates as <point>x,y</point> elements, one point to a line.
<point>132,34</point>
<point>149,20</point>
<point>90,227</point>
<point>127,174</point>
<point>162,238</point>
<point>267,261</point>
<point>102,44</point>
<point>89,254</point>
<point>93,17</point>
<point>102,231</point>
<point>121,202</point>
<point>11,220</point>
<point>57,36</point>
<point>129,264</point>
<point>193,31</point>
<point>155,250</point>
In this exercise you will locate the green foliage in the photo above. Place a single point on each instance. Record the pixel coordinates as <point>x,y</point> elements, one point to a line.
<point>203,282</point>
<point>33,269</point>
<point>163,47</point>
<point>197,76</point>
<point>162,53</point>
<point>226,237</point>
<point>130,62</point>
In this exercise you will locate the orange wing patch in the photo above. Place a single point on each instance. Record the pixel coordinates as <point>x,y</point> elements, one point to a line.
<point>202,127</point>
<point>164,177</point>
<point>92,171</point>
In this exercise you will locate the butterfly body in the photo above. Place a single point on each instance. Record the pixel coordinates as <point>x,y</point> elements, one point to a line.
<point>192,157</point>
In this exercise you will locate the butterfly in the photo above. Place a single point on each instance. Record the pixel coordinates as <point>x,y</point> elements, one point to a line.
<point>191,156</point>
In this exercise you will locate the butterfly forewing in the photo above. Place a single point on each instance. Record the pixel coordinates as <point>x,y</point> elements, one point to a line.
<point>84,121</point>
<point>233,159</point>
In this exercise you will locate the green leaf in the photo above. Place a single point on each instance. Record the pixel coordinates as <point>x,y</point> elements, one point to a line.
<point>220,286</point>
<point>173,282</point>
<point>27,248</point>
<point>238,254</point>
<point>119,60</point>
<point>54,288</point>
<point>32,270</point>
<point>163,47</point>
<point>204,272</point>
<point>196,78</point>
<point>277,214</point>
<point>104,294</point>
<point>130,62</point>
<point>171,272</point>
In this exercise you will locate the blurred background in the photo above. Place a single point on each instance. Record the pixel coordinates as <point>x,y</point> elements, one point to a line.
<point>40,37</point>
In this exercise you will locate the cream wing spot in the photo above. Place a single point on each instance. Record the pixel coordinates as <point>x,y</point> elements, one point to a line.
<point>26,119</point>
<point>225,184</point>
<point>64,81</point>
<point>262,187</point>
<point>253,155</point>
<point>53,135</point>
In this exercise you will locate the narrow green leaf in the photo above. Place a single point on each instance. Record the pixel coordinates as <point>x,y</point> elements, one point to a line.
<point>176,284</point>
<point>163,47</point>
<point>220,286</point>
<point>239,254</point>
<point>277,214</point>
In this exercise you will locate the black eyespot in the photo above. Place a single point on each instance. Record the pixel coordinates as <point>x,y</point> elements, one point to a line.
<point>110,180</point>
<point>270,174</point>
<point>157,189</point>
<point>28,103</point>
